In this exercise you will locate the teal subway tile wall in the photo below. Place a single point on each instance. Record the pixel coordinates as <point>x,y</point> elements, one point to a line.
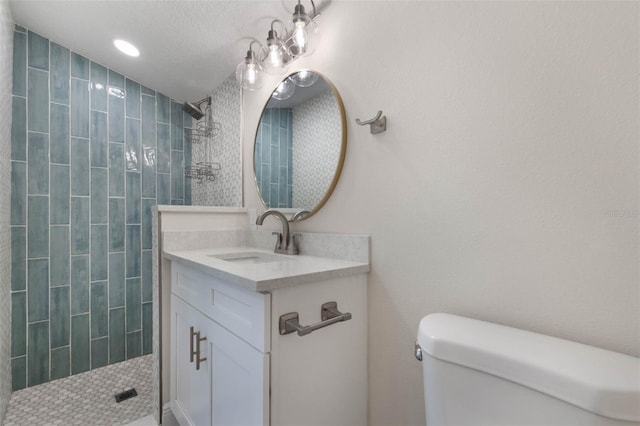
<point>273,154</point>
<point>91,153</point>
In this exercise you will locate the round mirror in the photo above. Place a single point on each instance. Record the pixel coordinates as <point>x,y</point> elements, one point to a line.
<point>300,145</point>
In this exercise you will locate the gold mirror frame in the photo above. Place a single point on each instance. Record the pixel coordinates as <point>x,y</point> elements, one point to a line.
<point>343,146</point>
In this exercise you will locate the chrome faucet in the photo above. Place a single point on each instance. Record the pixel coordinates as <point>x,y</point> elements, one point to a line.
<point>286,243</point>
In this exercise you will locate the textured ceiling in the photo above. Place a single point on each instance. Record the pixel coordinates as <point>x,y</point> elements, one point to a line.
<point>188,47</point>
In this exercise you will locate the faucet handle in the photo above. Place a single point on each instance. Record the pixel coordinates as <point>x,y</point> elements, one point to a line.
<point>292,247</point>
<point>278,240</point>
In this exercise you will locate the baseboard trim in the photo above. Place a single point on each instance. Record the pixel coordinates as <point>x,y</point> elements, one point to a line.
<point>168,419</point>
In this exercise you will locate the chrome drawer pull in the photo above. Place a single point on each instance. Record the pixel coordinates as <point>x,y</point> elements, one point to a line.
<point>198,359</point>
<point>329,314</point>
<point>192,334</point>
<point>195,353</point>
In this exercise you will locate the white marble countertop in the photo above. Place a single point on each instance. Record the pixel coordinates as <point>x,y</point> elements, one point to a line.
<point>200,209</point>
<point>263,277</point>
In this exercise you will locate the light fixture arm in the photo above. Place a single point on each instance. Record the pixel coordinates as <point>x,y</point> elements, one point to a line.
<point>313,5</point>
<point>315,12</point>
<point>250,53</point>
<point>282,26</point>
<point>272,35</point>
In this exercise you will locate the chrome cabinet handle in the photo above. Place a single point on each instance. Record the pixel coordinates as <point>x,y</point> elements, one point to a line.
<point>192,334</point>
<point>329,314</point>
<point>198,359</point>
<point>195,353</point>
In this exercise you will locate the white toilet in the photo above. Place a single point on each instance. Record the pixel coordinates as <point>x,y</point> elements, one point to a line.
<point>479,373</point>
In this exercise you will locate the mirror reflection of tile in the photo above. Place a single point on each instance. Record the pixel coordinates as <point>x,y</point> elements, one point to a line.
<point>297,151</point>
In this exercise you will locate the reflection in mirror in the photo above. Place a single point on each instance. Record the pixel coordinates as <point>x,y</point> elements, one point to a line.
<point>300,145</point>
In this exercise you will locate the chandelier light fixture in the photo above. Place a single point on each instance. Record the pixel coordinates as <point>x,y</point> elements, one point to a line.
<point>300,38</point>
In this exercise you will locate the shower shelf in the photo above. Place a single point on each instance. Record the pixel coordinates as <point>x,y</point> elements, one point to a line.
<point>203,133</point>
<point>202,171</point>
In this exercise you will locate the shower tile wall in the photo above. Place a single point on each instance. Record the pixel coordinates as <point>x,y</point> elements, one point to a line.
<point>273,157</point>
<point>6,69</point>
<point>226,190</point>
<point>316,128</point>
<point>92,152</point>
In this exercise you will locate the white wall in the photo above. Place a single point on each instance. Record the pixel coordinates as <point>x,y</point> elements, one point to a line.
<point>506,187</point>
<point>6,87</point>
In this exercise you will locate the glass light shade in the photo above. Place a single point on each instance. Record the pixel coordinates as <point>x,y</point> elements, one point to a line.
<point>284,90</point>
<point>304,78</point>
<point>249,73</point>
<point>276,58</point>
<point>305,34</point>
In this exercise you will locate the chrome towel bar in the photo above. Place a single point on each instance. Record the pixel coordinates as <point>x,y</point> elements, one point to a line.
<point>329,314</point>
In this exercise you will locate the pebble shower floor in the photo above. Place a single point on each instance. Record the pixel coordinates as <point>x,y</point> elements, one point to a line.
<point>86,399</point>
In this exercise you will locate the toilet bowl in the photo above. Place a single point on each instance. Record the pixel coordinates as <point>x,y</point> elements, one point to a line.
<point>479,373</point>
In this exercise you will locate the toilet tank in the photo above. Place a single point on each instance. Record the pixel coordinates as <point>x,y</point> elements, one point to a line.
<point>479,373</point>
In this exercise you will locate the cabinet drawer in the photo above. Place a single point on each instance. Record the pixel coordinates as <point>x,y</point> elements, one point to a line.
<point>245,313</point>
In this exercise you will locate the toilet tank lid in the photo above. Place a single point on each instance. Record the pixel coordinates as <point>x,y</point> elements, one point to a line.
<point>600,381</point>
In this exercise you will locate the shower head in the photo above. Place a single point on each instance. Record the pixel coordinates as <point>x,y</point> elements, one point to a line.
<point>193,108</point>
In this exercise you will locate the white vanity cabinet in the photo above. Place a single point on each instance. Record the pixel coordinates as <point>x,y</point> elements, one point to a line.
<point>217,378</point>
<point>250,374</point>
<point>191,385</point>
<point>224,370</point>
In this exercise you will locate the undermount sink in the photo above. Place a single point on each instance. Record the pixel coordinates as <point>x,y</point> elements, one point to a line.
<point>249,257</point>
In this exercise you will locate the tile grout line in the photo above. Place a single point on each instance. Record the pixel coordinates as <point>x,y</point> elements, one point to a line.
<point>26,257</point>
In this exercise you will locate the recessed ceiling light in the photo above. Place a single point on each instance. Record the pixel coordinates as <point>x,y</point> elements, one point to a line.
<point>126,47</point>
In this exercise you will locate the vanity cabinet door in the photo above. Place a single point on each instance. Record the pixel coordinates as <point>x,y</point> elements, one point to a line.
<point>232,385</point>
<point>240,377</point>
<point>190,387</point>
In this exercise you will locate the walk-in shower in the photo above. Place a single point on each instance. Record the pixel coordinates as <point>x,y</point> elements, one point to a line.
<point>91,153</point>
